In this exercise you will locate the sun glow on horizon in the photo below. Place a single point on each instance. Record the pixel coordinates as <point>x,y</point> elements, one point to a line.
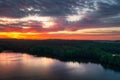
<point>45,27</point>
<point>18,35</point>
<point>77,35</point>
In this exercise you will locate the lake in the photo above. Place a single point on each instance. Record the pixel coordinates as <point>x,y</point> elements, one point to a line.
<point>22,66</point>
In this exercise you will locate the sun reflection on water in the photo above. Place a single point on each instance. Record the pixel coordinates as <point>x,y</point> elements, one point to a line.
<point>14,66</point>
<point>8,57</point>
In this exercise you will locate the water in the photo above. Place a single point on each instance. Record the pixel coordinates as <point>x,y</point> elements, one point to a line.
<point>17,66</point>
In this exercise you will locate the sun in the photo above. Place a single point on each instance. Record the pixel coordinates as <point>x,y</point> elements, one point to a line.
<point>15,35</point>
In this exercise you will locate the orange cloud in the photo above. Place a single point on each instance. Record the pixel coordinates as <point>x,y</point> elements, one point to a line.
<point>38,27</point>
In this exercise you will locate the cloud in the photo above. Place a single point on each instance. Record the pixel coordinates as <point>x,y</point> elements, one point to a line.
<point>43,7</point>
<point>92,31</point>
<point>59,15</point>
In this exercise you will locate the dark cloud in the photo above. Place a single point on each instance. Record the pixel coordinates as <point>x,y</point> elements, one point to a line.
<point>96,13</point>
<point>44,7</point>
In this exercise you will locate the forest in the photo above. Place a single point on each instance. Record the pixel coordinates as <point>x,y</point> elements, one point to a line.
<point>106,53</point>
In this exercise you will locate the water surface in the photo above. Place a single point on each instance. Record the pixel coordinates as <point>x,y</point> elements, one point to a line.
<point>17,66</point>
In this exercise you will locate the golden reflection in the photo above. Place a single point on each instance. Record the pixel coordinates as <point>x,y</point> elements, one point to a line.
<point>27,63</point>
<point>25,59</point>
<point>8,57</point>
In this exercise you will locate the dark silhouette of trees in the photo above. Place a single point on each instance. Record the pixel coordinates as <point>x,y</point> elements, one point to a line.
<point>94,51</point>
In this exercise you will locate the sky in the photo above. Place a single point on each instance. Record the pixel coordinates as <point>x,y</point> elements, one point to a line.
<point>60,19</point>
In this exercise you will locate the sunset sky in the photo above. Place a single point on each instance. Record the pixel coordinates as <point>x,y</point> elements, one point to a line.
<point>60,19</point>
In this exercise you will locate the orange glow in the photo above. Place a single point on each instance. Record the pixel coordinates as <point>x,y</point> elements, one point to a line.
<point>42,36</point>
<point>17,35</point>
<point>39,27</point>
